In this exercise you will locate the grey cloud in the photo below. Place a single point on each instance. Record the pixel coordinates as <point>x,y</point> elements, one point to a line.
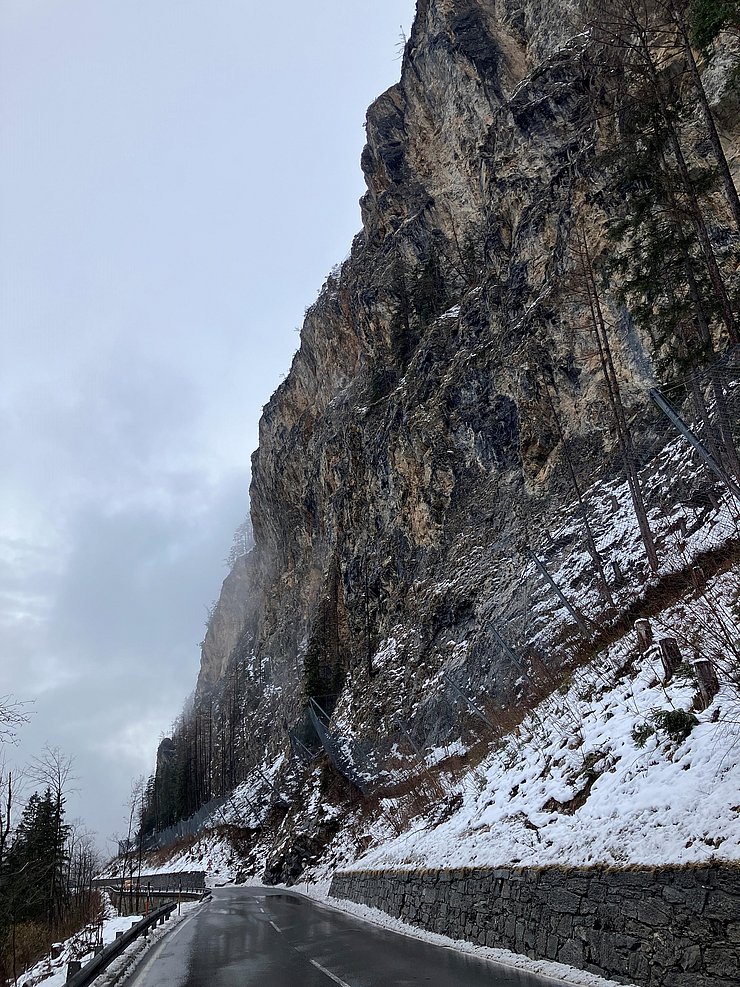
<point>178,178</point>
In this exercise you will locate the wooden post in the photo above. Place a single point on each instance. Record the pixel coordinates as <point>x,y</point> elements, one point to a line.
<point>617,570</point>
<point>706,677</point>
<point>644,635</point>
<point>670,656</point>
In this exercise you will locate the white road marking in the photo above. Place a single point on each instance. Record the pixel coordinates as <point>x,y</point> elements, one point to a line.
<point>275,927</point>
<point>143,967</point>
<point>329,974</point>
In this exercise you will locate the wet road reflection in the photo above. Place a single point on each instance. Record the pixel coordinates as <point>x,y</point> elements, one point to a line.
<point>265,938</point>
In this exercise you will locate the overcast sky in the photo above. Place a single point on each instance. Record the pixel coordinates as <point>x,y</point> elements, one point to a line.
<point>176,180</point>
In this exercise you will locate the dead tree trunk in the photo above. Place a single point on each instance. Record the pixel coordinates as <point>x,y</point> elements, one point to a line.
<point>624,436</point>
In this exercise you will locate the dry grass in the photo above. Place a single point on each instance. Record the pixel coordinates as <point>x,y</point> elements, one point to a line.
<point>25,943</point>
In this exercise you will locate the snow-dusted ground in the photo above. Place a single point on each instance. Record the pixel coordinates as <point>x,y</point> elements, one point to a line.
<point>672,801</point>
<point>571,785</point>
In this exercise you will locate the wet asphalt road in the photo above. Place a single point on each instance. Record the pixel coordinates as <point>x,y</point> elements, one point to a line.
<point>256,936</point>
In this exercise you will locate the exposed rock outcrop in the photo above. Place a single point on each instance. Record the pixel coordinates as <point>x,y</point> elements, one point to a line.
<point>445,406</point>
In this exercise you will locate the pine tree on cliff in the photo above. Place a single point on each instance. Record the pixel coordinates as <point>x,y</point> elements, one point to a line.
<point>661,278</point>
<point>648,46</point>
<point>707,18</point>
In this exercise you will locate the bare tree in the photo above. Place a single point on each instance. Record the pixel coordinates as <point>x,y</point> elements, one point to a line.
<point>13,713</point>
<point>83,862</point>
<point>7,793</point>
<point>678,13</point>
<point>600,330</point>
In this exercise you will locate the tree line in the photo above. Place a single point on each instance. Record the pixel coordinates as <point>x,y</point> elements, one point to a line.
<point>47,863</point>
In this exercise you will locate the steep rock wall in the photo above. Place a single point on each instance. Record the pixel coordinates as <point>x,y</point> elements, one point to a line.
<point>415,451</point>
<point>391,454</point>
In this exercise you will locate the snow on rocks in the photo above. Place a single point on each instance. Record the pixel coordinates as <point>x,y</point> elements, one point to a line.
<point>573,785</point>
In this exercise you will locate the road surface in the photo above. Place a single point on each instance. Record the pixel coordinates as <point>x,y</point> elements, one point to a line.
<point>257,936</point>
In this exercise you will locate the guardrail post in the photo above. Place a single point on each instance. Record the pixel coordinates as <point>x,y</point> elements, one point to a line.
<point>73,967</point>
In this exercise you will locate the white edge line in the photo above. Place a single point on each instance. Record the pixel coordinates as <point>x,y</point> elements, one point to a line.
<point>329,974</point>
<point>167,938</point>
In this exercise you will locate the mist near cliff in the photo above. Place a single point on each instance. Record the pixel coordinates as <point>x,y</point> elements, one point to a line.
<point>178,180</point>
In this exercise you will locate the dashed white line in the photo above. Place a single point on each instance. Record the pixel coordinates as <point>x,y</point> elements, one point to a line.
<point>329,974</point>
<point>275,927</point>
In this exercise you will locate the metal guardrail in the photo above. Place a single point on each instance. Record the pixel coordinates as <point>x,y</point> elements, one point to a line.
<point>194,880</point>
<point>114,949</point>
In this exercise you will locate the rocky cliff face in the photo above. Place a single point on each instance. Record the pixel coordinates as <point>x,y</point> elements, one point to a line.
<point>225,625</point>
<point>446,396</point>
<point>396,453</point>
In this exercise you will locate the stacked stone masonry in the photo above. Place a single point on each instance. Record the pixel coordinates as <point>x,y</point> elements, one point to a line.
<point>673,927</point>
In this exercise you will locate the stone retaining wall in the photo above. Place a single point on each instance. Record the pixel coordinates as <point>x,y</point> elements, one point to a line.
<point>674,927</point>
